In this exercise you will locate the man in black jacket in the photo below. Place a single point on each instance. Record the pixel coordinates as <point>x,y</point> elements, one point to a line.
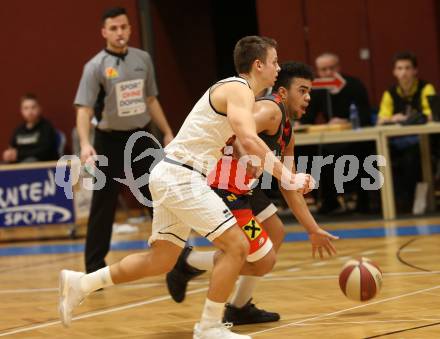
<point>35,139</point>
<point>354,92</point>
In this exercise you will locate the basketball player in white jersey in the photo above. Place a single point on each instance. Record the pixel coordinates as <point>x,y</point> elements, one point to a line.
<point>254,211</point>
<point>184,201</point>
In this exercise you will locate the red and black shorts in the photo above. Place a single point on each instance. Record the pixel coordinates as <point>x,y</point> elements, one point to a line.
<point>245,208</point>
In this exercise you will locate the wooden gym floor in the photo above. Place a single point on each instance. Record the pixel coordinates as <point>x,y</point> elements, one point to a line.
<point>303,290</point>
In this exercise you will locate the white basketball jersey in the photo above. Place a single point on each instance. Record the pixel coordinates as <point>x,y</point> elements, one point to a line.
<point>203,134</point>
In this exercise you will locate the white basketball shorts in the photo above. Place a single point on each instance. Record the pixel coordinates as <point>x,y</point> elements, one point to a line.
<point>182,200</point>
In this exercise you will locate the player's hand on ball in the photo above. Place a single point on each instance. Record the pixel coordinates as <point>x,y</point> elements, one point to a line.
<point>322,240</point>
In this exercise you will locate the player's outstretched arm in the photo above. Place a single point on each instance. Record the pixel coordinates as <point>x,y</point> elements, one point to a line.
<point>320,239</point>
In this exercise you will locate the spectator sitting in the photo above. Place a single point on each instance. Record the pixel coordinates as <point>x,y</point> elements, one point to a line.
<point>409,95</point>
<point>354,91</point>
<point>35,139</point>
<point>407,100</point>
<point>333,108</point>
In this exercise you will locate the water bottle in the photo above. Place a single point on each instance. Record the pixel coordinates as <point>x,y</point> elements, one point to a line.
<point>354,117</point>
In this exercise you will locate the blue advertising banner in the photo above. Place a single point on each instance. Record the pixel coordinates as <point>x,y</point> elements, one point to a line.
<point>30,197</point>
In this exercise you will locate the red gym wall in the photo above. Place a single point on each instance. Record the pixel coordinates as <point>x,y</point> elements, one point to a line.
<point>45,45</point>
<point>306,28</point>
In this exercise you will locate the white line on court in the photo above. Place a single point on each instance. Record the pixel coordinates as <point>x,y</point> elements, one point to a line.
<point>411,273</point>
<point>305,277</point>
<point>369,252</point>
<point>319,263</point>
<point>321,277</point>
<point>29,290</point>
<point>345,258</point>
<point>97,313</point>
<point>409,250</point>
<point>337,323</point>
<point>55,289</point>
<point>325,315</point>
<point>271,277</point>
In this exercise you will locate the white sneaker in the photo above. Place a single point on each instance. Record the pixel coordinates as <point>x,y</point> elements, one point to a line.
<point>70,295</point>
<point>221,331</point>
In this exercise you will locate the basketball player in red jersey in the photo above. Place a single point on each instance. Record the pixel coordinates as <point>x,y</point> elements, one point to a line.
<point>254,212</point>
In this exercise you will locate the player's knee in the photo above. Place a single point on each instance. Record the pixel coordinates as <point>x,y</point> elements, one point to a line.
<point>265,265</point>
<point>234,243</point>
<point>240,248</point>
<point>244,248</point>
<point>270,262</point>
<point>277,235</point>
<point>281,233</point>
<point>276,231</point>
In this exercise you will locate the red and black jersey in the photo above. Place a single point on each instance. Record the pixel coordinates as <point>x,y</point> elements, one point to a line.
<point>278,142</point>
<point>231,175</point>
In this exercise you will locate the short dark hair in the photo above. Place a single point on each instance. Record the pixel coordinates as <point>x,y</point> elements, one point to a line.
<point>291,70</point>
<point>113,13</point>
<point>249,49</point>
<point>28,96</point>
<point>405,55</point>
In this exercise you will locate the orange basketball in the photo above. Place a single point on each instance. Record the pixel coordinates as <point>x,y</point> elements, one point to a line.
<point>360,279</point>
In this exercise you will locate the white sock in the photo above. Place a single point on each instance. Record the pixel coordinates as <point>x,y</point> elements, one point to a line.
<point>96,280</point>
<point>245,289</point>
<point>202,260</point>
<point>212,314</point>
